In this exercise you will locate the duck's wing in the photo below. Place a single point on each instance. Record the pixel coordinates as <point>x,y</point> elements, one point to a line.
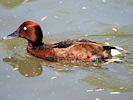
<point>82,52</point>
<point>70,42</point>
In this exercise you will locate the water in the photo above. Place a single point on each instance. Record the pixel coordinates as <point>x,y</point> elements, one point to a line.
<point>23,76</point>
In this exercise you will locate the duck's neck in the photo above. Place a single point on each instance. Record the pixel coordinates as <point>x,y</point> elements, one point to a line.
<point>35,45</point>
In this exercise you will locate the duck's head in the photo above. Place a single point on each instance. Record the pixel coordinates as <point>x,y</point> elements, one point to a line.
<point>29,30</point>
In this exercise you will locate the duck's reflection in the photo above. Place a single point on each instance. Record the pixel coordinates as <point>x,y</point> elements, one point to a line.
<point>30,66</point>
<point>26,66</point>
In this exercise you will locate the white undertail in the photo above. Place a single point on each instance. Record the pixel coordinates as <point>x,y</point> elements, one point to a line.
<point>119,51</point>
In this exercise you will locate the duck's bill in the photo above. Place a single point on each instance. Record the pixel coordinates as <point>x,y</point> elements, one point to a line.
<point>11,36</point>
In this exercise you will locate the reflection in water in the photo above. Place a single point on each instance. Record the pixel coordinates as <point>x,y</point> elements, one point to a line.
<point>31,66</point>
<point>26,66</point>
<point>9,4</point>
<point>106,81</point>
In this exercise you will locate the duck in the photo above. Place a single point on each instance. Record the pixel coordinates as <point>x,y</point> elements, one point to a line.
<point>76,49</point>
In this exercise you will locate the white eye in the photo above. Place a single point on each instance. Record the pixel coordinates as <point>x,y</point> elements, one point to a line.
<point>25,28</point>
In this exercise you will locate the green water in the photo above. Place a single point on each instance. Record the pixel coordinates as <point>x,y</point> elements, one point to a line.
<point>24,77</point>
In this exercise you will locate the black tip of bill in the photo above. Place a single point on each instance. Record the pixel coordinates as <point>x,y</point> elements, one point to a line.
<point>11,36</point>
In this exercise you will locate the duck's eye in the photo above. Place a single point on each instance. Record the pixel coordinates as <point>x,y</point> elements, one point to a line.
<point>25,28</point>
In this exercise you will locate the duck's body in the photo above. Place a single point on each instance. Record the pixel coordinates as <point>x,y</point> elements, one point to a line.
<point>71,50</point>
<point>67,50</point>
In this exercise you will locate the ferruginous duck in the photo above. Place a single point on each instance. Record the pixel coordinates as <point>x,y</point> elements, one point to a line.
<point>67,50</point>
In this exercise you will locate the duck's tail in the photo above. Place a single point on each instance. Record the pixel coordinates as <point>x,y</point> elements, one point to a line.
<point>117,50</point>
